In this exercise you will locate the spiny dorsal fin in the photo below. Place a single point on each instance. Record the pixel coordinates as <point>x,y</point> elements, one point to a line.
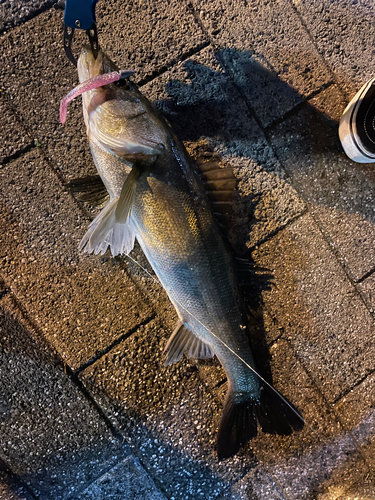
<point>90,189</point>
<point>216,177</point>
<point>183,340</point>
<point>220,184</point>
<point>126,199</point>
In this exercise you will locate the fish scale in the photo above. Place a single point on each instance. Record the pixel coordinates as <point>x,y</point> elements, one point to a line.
<point>193,265</point>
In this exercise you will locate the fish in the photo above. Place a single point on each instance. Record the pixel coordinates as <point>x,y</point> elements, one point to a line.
<point>155,194</point>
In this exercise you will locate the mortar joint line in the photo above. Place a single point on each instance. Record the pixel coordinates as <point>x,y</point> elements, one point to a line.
<point>331,406</point>
<point>298,107</point>
<point>115,343</point>
<point>365,276</point>
<point>274,232</point>
<point>18,154</point>
<point>80,385</point>
<point>4,466</point>
<point>321,57</point>
<point>195,50</point>
<point>358,383</point>
<point>327,237</point>
<point>190,6</point>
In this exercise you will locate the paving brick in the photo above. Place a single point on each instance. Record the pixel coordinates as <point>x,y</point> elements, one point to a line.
<point>339,191</point>
<point>148,36</point>
<point>267,51</point>
<point>319,309</point>
<point>128,479</point>
<point>352,231</point>
<point>330,103</point>
<point>81,303</point>
<point>347,482</point>
<point>343,32</point>
<point>51,436</point>
<point>330,467</point>
<point>258,485</point>
<point>13,136</point>
<point>167,415</point>
<point>203,106</point>
<point>13,12</point>
<point>138,35</point>
<point>367,287</point>
<point>33,59</point>
<point>357,413</point>
<point>11,488</point>
<point>304,464</point>
<point>363,491</point>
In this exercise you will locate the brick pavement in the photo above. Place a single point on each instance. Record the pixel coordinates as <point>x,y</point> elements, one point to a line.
<point>87,410</point>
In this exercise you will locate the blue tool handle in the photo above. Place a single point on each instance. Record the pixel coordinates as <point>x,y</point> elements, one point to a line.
<point>80,14</point>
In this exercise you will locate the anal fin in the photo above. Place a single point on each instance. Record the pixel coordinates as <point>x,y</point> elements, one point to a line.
<point>181,340</point>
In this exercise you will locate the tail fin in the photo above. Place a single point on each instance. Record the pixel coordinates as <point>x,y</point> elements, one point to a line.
<point>276,415</point>
<point>105,232</point>
<point>239,421</point>
<point>238,425</point>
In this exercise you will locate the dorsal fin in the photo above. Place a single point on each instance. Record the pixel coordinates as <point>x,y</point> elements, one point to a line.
<point>183,340</point>
<point>220,184</point>
<point>216,177</point>
<point>252,280</point>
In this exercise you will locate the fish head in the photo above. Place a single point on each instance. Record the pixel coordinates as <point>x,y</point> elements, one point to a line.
<point>119,117</point>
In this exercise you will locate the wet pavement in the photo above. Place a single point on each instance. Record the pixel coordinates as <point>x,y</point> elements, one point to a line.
<point>87,408</point>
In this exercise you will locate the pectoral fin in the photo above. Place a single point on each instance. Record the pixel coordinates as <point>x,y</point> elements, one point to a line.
<point>126,199</point>
<point>183,340</point>
<point>104,232</point>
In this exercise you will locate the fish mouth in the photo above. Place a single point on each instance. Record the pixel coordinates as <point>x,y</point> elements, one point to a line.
<point>88,66</point>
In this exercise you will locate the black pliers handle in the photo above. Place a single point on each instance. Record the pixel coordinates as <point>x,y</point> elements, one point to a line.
<point>80,14</point>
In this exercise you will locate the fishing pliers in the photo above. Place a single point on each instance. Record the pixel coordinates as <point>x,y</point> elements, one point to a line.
<point>80,14</point>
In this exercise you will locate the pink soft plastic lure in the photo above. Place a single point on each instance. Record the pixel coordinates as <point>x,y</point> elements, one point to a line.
<point>90,84</point>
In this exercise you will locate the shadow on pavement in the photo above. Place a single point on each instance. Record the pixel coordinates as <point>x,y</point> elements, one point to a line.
<point>51,436</point>
<point>303,137</point>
